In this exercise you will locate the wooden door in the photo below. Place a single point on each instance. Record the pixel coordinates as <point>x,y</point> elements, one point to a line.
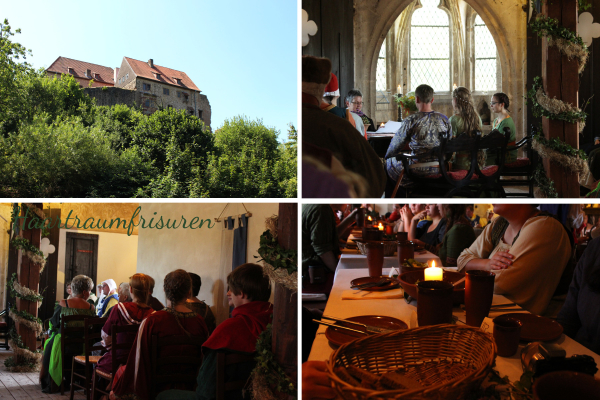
<point>81,257</point>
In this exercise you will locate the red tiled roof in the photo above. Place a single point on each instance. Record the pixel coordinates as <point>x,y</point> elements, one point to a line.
<point>167,75</point>
<point>62,64</point>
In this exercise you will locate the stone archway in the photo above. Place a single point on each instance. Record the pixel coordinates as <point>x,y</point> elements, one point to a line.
<point>506,22</point>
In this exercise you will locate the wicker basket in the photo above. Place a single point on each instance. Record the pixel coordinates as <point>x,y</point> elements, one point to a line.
<point>389,248</point>
<point>448,361</point>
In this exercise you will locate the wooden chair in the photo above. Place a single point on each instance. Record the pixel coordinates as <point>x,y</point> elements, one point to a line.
<point>99,375</point>
<point>162,372</point>
<point>92,335</point>
<point>5,327</point>
<point>523,168</point>
<point>224,360</point>
<point>471,183</point>
<point>71,332</point>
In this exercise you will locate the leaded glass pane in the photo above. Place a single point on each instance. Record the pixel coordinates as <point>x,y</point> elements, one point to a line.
<point>430,47</point>
<point>485,57</point>
<point>381,70</point>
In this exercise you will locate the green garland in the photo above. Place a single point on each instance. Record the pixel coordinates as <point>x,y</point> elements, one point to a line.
<point>584,5</point>
<point>545,26</point>
<point>539,111</point>
<point>278,257</point>
<point>11,286</point>
<point>21,243</point>
<point>25,315</point>
<point>268,368</point>
<point>558,145</point>
<point>545,185</point>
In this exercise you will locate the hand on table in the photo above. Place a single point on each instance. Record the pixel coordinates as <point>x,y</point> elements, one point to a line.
<point>418,242</point>
<point>501,260</point>
<point>315,383</point>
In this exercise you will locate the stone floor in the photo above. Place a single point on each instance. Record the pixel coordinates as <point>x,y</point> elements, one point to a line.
<point>24,385</point>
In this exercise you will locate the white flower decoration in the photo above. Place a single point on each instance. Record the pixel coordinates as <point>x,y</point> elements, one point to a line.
<point>46,247</point>
<point>587,29</point>
<point>308,28</point>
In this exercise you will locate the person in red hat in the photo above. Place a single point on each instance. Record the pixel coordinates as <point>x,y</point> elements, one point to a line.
<point>330,98</point>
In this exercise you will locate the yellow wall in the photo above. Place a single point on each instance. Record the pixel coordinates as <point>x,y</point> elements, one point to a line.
<point>117,257</point>
<point>5,213</point>
<point>199,250</point>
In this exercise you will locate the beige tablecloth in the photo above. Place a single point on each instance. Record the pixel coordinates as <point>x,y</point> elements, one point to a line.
<point>398,308</point>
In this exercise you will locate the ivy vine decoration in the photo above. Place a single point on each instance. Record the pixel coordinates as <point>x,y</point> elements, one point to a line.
<point>544,186</point>
<point>542,106</point>
<point>268,375</point>
<point>32,252</point>
<point>22,292</point>
<point>278,257</point>
<point>568,42</point>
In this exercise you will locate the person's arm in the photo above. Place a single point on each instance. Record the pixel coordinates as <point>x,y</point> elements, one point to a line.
<point>412,234</point>
<point>476,256</point>
<point>330,260</point>
<point>320,224</point>
<point>406,215</point>
<point>398,141</point>
<point>346,224</point>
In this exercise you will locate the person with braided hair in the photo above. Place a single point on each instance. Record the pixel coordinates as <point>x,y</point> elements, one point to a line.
<point>464,121</point>
<point>133,379</point>
<point>126,313</point>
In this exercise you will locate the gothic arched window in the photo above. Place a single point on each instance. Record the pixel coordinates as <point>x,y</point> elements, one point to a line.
<point>485,58</point>
<point>381,84</point>
<point>430,47</point>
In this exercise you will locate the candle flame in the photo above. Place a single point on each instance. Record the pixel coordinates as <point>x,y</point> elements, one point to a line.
<point>370,218</point>
<point>433,263</point>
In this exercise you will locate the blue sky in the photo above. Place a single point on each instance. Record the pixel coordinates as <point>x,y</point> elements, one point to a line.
<point>241,54</point>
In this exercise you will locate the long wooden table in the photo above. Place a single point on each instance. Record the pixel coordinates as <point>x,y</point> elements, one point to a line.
<point>398,308</point>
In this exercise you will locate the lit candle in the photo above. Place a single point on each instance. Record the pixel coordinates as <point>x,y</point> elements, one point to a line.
<point>454,86</point>
<point>380,226</point>
<point>433,273</point>
<point>382,125</point>
<point>398,89</point>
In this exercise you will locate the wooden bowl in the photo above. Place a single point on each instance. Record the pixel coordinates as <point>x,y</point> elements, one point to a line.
<point>408,281</point>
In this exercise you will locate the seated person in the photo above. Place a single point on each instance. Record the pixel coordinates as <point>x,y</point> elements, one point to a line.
<point>153,301</point>
<point>422,132</point>
<point>465,121</point>
<point>199,306</point>
<point>320,248</point>
<point>124,295</point>
<point>431,233</point>
<point>580,315</point>
<point>51,372</point>
<point>249,292</point>
<point>330,99</point>
<point>406,215</point>
<point>354,103</point>
<point>125,313</point>
<point>111,297</point>
<point>93,299</point>
<point>324,130</point>
<point>458,233</point>
<point>473,219</point>
<point>528,251</point>
<point>133,378</point>
<point>499,104</point>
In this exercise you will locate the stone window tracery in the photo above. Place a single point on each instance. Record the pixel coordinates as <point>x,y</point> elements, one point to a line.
<point>485,57</point>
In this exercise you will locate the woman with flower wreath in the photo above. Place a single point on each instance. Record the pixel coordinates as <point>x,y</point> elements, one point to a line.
<point>499,104</point>
<point>465,121</point>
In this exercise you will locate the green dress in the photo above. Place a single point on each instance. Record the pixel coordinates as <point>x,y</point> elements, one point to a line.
<point>462,159</point>
<point>52,360</point>
<point>511,156</point>
<point>458,238</point>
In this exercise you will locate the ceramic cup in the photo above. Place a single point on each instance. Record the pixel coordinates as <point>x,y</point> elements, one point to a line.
<point>374,258</point>
<point>507,332</point>
<point>479,292</point>
<point>372,234</point>
<point>434,305</point>
<point>360,217</point>
<point>566,385</point>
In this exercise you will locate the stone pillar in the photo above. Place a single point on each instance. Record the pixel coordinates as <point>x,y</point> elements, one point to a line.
<point>561,80</point>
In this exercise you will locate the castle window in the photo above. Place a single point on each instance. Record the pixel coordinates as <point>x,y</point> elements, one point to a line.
<point>485,57</point>
<point>166,91</point>
<point>178,94</point>
<point>146,86</point>
<point>127,76</point>
<point>200,114</point>
<point>147,103</point>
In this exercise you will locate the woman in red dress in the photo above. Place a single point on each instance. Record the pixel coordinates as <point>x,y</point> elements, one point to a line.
<point>130,313</point>
<point>132,380</point>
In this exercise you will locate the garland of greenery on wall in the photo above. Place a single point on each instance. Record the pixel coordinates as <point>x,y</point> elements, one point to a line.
<point>542,106</point>
<point>557,151</point>
<point>568,42</point>
<point>280,264</point>
<point>32,252</point>
<point>268,376</point>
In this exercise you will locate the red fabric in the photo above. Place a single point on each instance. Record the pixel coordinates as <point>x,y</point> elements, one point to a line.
<point>240,332</point>
<point>120,315</point>
<point>332,86</point>
<point>521,162</point>
<point>394,216</point>
<point>136,376</point>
